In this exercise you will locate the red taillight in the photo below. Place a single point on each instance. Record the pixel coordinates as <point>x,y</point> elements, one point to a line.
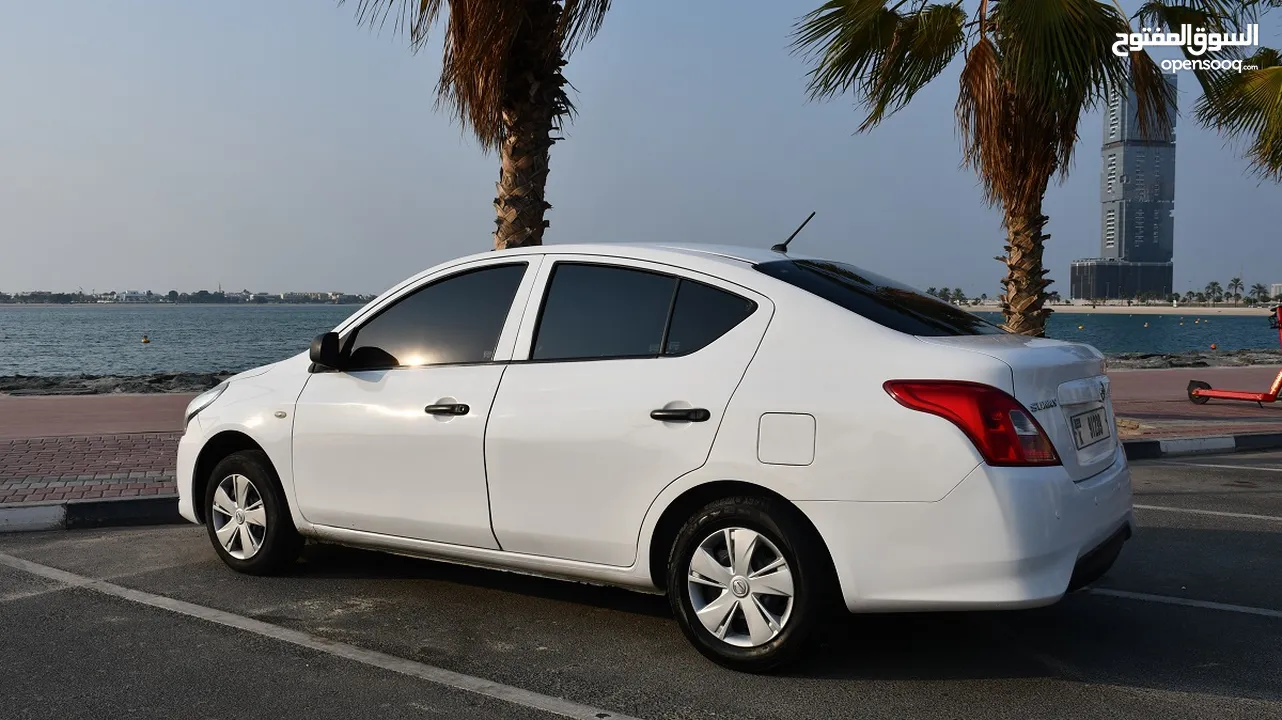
<point>1003,430</point>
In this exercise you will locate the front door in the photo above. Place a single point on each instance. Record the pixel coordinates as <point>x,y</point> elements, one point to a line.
<point>630,372</point>
<point>393,444</point>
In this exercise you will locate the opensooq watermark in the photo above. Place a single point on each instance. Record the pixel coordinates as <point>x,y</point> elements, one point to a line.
<point>1196,42</point>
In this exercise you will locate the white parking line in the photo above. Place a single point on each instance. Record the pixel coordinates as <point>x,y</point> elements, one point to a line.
<point>1203,604</point>
<point>1216,513</point>
<point>440,676</point>
<point>1219,466</point>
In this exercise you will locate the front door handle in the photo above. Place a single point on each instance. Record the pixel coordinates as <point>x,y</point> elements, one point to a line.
<point>448,409</point>
<point>681,415</point>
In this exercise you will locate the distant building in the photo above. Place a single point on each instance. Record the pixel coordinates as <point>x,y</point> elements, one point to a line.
<point>1137,214</point>
<point>133,296</point>
<point>1275,289</point>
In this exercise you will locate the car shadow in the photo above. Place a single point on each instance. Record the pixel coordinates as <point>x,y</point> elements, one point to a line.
<point>1088,638</point>
<point>332,561</point>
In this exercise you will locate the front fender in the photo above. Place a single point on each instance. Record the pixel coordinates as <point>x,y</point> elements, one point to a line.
<point>261,407</point>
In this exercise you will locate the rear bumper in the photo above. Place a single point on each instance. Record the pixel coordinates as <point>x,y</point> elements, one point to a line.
<point>1003,538</point>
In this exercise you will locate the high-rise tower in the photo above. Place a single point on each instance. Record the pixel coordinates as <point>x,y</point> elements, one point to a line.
<point>1137,214</point>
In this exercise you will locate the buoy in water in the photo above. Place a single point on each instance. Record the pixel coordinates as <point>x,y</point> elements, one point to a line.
<point>1212,346</point>
<point>1197,321</point>
<point>1145,324</point>
<point>1079,327</point>
<point>145,340</point>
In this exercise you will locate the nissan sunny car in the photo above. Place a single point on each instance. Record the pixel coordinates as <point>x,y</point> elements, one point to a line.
<point>763,437</point>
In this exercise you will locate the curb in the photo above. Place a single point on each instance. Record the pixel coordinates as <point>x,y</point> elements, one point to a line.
<point>1153,449</point>
<point>81,514</point>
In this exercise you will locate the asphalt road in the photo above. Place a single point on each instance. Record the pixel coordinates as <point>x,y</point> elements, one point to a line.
<point>1187,625</point>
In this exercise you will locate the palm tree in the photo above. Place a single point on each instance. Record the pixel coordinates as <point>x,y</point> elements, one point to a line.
<point>1214,291</point>
<point>1053,297</point>
<point>1188,296</point>
<point>1260,292</point>
<point>1031,68</point>
<point>932,291</point>
<point>501,76</point>
<point>1201,297</point>
<point>945,294</point>
<point>1242,105</point>
<point>959,297</point>
<point>1235,288</point>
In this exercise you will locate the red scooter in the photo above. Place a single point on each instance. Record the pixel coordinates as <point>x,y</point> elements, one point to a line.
<point>1200,392</point>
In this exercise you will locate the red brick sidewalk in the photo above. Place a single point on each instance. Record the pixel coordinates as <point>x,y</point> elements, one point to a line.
<point>1156,402</point>
<point>84,447</point>
<point>86,467</point>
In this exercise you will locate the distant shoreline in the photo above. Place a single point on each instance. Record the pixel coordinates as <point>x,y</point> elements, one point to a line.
<point>1241,311</point>
<point>171,305</point>
<point>1223,310</point>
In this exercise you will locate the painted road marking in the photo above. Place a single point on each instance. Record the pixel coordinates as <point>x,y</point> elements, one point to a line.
<point>1202,604</point>
<point>1219,467</point>
<point>439,676</point>
<point>1216,513</point>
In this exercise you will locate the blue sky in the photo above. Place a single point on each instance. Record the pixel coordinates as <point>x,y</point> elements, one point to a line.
<point>278,146</point>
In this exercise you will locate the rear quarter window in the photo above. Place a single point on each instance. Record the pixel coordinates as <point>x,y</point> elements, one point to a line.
<point>881,300</point>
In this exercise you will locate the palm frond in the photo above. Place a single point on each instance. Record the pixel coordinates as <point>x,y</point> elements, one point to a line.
<point>924,43</point>
<point>486,44</point>
<point>847,40</point>
<point>1061,50</point>
<point>1221,13</point>
<point>882,56</point>
<point>1155,97</point>
<point>1248,106</point>
<point>413,17</point>
<point>581,20</point>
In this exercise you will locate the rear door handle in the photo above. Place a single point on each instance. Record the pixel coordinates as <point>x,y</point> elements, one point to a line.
<point>681,415</point>
<point>448,409</point>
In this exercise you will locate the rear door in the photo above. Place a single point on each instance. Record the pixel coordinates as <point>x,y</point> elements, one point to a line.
<point>619,381</point>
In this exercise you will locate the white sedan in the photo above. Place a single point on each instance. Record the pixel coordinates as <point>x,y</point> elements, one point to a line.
<point>761,436</point>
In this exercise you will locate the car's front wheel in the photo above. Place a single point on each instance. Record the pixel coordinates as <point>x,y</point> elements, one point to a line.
<point>747,581</point>
<point>247,518</point>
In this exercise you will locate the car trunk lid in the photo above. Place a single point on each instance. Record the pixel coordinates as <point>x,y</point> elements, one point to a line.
<point>1064,386</point>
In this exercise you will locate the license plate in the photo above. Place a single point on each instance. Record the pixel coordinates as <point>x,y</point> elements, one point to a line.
<point>1089,427</point>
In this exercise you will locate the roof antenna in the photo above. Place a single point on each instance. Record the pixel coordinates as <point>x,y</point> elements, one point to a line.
<point>783,246</point>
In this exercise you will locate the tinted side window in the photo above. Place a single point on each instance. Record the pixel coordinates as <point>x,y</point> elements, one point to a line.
<point>455,320</point>
<point>597,311</point>
<point>701,315</point>
<point>879,299</point>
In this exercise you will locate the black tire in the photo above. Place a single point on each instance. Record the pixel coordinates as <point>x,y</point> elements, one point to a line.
<point>280,544</point>
<point>810,571</point>
<point>1198,385</point>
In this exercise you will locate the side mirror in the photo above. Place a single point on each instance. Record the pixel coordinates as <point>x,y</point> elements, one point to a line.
<point>325,351</point>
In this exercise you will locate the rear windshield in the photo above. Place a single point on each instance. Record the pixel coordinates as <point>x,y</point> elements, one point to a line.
<point>879,299</point>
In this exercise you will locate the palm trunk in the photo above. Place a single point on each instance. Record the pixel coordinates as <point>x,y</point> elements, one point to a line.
<point>534,101</point>
<point>1025,280</point>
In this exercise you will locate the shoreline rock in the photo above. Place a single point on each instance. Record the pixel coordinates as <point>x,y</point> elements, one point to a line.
<point>110,384</point>
<point>1194,359</point>
<point>199,382</point>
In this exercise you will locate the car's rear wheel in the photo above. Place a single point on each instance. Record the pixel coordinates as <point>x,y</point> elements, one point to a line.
<point>747,581</point>
<point>247,518</point>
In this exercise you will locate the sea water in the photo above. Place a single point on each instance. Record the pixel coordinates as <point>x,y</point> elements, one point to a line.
<point>107,339</point>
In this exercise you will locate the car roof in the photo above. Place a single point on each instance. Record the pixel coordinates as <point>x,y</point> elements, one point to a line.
<point>670,252</point>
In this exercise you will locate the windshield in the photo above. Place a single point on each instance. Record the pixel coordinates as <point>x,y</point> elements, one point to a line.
<point>879,299</point>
